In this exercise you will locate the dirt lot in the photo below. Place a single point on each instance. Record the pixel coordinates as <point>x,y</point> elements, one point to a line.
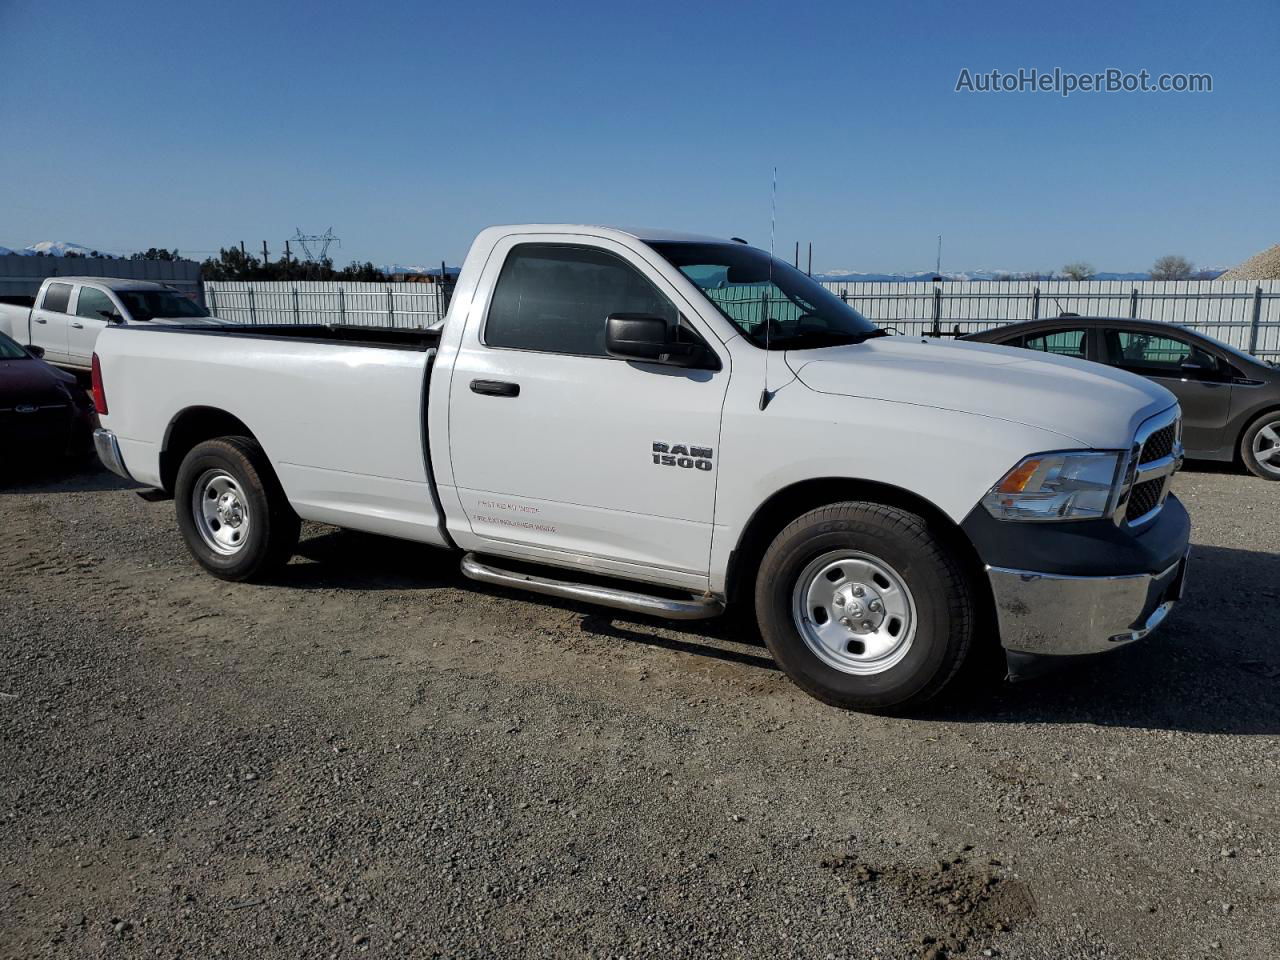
<point>375,756</point>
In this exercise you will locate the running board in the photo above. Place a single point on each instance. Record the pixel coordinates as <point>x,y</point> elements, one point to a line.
<point>695,608</point>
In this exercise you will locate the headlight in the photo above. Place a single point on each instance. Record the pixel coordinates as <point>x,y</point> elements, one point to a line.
<point>1071,485</point>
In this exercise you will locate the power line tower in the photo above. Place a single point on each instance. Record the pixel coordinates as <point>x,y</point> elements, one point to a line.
<point>305,241</point>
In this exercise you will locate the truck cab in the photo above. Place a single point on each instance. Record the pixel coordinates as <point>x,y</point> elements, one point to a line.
<point>70,312</point>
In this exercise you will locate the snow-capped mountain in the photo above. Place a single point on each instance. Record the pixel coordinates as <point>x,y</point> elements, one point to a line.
<point>5,251</point>
<point>854,276</point>
<point>433,271</point>
<point>55,248</point>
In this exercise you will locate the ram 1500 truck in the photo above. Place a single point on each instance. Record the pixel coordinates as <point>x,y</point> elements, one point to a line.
<point>70,312</point>
<point>672,424</point>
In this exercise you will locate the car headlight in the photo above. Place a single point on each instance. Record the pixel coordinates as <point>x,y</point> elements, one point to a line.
<point>1070,485</point>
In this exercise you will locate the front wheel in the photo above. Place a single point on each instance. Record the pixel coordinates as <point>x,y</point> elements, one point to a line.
<point>863,607</point>
<point>1260,446</point>
<point>231,510</point>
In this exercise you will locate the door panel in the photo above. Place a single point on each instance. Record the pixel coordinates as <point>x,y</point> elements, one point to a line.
<point>87,322</point>
<point>49,322</point>
<point>1204,393</point>
<point>594,456</point>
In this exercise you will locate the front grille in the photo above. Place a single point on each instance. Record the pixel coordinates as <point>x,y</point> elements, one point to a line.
<point>1160,444</point>
<point>1144,498</point>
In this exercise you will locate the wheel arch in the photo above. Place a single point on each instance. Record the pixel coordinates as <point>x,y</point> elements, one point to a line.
<point>189,427</point>
<point>792,501</point>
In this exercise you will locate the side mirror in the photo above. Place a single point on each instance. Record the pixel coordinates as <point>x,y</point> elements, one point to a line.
<point>635,336</point>
<point>35,351</point>
<point>111,316</point>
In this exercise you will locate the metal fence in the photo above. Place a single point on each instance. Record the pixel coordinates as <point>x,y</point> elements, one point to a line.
<point>1243,313</point>
<point>21,276</point>
<point>409,305</point>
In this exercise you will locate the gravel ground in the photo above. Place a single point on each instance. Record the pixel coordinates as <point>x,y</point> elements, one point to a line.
<point>373,755</point>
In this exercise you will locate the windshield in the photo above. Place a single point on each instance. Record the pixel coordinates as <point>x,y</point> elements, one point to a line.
<point>752,290</point>
<point>9,349</point>
<point>149,304</point>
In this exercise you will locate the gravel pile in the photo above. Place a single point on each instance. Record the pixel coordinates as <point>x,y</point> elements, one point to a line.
<point>375,757</point>
<point>1263,266</point>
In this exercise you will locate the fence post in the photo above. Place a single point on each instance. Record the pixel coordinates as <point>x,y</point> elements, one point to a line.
<point>1256,318</point>
<point>253,308</point>
<point>937,311</point>
<point>1035,304</point>
<point>213,300</point>
<point>342,305</point>
<point>297,318</point>
<point>391,309</point>
<point>1133,304</point>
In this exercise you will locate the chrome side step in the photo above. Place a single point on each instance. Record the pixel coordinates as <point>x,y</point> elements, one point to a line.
<point>695,608</point>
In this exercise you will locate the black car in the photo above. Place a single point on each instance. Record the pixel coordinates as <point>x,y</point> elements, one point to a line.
<point>44,412</point>
<point>1230,400</point>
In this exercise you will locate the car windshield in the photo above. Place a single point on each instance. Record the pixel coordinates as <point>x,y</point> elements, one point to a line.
<point>149,304</point>
<point>773,304</point>
<point>9,349</point>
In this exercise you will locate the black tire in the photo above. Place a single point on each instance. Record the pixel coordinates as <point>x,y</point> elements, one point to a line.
<point>944,607</point>
<point>1268,421</point>
<point>272,528</point>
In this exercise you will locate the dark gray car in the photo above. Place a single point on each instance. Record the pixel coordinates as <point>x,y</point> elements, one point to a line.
<point>1230,400</point>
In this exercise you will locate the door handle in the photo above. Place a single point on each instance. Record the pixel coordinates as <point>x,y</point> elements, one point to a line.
<point>495,388</point>
<point>78,326</point>
<point>41,320</point>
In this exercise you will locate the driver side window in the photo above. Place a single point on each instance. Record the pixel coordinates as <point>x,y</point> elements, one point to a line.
<point>554,298</point>
<point>92,303</point>
<point>1156,355</point>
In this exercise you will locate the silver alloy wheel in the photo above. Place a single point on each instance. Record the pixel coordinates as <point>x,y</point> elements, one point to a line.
<point>855,612</point>
<point>220,510</point>
<point>1266,447</point>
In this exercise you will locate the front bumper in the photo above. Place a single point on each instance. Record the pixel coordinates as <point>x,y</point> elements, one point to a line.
<point>1047,614</point>
<point>104,441</point>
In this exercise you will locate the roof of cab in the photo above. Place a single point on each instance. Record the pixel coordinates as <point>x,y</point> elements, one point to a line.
<point>113,283</point>
<point>645,234</point>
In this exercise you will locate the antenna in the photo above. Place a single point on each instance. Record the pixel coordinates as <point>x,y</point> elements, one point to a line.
<point>937,267</point>
<point>765,395</point>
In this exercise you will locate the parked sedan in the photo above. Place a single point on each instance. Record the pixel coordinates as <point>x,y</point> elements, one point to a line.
<point>1230,400</point>
<point>44,411</point>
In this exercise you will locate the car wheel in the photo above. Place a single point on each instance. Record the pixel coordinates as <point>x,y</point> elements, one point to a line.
<point>1260,446</point>
<point>864,608</point>
<point>232,511</point>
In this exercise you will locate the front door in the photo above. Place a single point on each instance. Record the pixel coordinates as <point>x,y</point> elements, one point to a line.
<point>1196,377</point>
<point>564,452</point>
<point>90,319</point>
<point>49,322</point>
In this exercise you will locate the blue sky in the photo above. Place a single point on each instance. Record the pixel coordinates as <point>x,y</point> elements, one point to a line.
<point>409,126</point>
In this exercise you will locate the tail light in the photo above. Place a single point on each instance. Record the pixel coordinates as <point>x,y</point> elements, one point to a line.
<point>99,392</point>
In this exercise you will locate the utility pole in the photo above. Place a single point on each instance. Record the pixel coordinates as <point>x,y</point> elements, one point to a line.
<point>797,255</point>
<point>810,271</point>
<point>937,267</point>
<point>265,258</point>
<point>287,254</point>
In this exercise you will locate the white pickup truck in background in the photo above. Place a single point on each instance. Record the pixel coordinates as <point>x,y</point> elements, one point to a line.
<point>70,312</point>
<point>670,425</point>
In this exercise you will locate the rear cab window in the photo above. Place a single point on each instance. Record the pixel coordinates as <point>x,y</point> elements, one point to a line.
<point>56,297</point>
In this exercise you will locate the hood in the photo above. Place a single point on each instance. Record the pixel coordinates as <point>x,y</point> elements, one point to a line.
<point>1089,403</point>
<point>30,381</point>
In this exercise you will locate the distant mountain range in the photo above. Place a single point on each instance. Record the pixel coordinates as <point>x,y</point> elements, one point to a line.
<point>60,248</point>
<point>854,276</point>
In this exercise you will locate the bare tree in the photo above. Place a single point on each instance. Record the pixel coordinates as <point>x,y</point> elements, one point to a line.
<point>1078,270</point>
<point>1172,267</point>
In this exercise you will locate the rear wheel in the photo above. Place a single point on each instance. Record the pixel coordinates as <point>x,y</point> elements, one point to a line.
<point>864,607</point>
<point>231,510</point>
<point>1260,446</point>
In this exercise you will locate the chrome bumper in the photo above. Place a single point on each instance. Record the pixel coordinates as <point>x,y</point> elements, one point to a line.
<point>104,441</point>
<point>1051,615</point>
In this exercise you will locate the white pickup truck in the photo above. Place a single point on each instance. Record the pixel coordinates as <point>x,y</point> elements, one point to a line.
<point>673,424</point>
<point>70,312</point>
